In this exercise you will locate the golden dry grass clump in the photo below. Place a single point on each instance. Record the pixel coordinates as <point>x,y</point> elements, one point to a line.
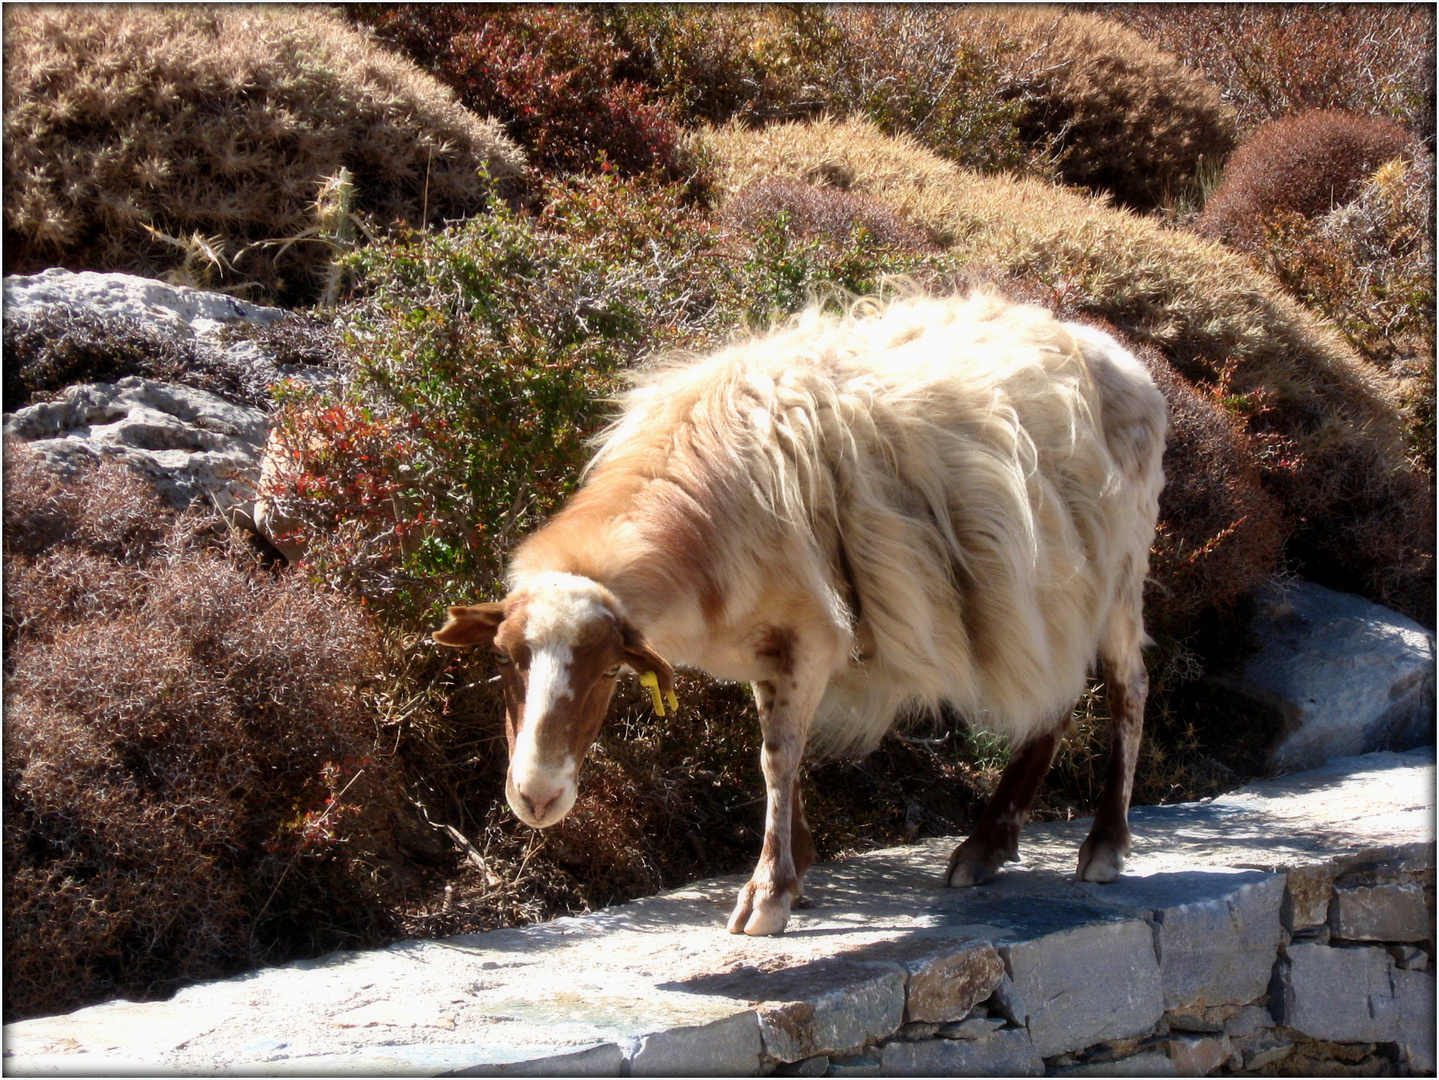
<point>1325,426</point>
<point>223,123</point>
<point>1125,116</point>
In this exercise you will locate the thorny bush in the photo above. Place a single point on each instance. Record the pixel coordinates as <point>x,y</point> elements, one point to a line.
<point>192,781</point>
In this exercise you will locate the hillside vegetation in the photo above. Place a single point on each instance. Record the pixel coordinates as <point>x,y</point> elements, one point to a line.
<point>487,216</point>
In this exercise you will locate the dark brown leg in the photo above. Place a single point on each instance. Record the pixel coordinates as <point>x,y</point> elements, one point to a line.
<point>801,843</point>
<point>1101,857</point>
<point>995,839</point>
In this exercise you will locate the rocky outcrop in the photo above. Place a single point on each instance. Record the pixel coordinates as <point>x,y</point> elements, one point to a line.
<point>193,443</point>
<point>1341,675</point>
<point>1226,946</point>
<point>174,309</point>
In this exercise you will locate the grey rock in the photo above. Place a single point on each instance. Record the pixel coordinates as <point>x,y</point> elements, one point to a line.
<point>946,982</point>
<point>1345,676</point>
<point>1198,1055</point>
<point>1394,911</point>
<point>1258,1057</point>
<point>164,430</point>
<point>1004,1053</point>
<point>815,1066</point>
<point>1215,932</point>
<point>192,444</point>
<point>1250,1020</point>
<point>1306,897</point>
<point>916,1031</point>
<point>1339,994</point>
<point>854,1065</point>
<point>1416,1035</point>
<point>1085,985</point>
<point>1193,1025</point>
<point>975,1027</point>
<point>728,1047</point>
<point>196,320</point>
<point>1146,1063</point>
<point>828,1015</point>
<point>1008,1002</point>
<point>176,309</point>
<point>1408,957</point>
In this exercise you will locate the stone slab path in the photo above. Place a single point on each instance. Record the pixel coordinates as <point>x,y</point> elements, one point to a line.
<point>657,987</point>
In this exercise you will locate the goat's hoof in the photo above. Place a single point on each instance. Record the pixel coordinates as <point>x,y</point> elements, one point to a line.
<point>975,866</point>
<point>760,911</point>
<point>1101,862</point>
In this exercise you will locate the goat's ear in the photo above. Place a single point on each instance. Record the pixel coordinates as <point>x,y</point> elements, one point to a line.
<point>641,656</point>
<point>471,625</point>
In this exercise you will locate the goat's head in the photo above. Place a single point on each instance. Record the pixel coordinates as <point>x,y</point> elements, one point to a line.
<point>560,642</point>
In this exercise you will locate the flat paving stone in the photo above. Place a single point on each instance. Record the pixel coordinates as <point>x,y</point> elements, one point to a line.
<point>638,986</point>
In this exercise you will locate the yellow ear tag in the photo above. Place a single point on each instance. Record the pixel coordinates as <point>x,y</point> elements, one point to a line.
<point>651,682</point>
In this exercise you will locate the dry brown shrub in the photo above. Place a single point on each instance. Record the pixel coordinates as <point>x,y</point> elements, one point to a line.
<point>219,124</point>
<point>904,66</point>
<point>1272,60</point>
<point>1121,115</point>
<point>1326,428</point>
<point>56,347</point>
<point>1307,164</point>
<point>191,783</point>
<point>819,212</point>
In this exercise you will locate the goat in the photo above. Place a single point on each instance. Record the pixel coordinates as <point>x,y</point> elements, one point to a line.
<point>934,501</point>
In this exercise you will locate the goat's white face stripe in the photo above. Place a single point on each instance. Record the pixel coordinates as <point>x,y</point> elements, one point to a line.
<point>549,688</point>
<point>549,683</point>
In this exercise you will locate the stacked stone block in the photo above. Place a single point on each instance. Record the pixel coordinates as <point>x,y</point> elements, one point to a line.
<point>1316,958</point>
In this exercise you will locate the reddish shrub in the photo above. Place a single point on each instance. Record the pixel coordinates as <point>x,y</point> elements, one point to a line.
<point>548,73</point>
<point>1220,532</point>
<point>191,784</point>
<point>1307,164</point>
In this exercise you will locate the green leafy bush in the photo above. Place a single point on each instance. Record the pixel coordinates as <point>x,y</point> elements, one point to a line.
<point>196,141</point>
<point>482,356</point>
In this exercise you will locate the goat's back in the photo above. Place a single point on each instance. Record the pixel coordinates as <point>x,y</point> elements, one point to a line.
<point>974,484</point>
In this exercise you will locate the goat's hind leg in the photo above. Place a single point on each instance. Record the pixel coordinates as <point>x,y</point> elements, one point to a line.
<point>995,839</point>
<point>1101,856</point>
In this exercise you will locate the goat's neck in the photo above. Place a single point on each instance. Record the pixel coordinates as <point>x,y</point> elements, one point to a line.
<point>654,565</point>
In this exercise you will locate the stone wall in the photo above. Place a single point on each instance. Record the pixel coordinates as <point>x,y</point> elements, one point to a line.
<point>1287,928</point>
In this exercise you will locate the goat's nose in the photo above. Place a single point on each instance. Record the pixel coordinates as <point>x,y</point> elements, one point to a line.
<point>540,804</point>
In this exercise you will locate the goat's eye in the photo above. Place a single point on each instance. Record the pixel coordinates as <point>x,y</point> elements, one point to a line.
<point>502,657</point>
<point>613,673</point>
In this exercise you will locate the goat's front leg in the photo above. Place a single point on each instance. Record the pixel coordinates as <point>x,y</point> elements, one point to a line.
<point>786,705</point>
